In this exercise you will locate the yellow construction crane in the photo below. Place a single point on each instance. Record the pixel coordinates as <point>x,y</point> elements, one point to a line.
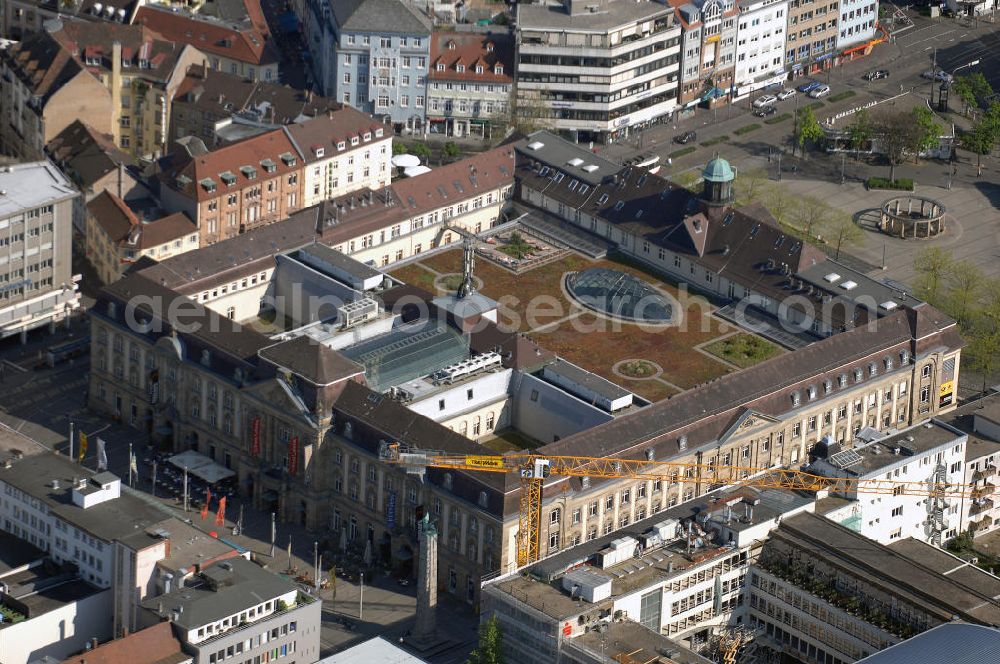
<point>533,469</point>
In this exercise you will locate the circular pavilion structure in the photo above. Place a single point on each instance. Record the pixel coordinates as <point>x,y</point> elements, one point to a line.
<point>912,217</point>
<point>620,295</point>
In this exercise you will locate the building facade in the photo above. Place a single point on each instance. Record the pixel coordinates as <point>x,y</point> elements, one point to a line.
<point>857,24</point>
<point>372,55</point>
<point>812,35</point>
<point>708,50</point>
<point>237,187</point>
<point>342,151</point>
<point>470,83</point>
<point>37,285</point>
<point>45,89</point>
<point>760,45</point>
<point>596,76</point>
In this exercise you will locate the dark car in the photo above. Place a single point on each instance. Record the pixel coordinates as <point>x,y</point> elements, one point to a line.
<point>809,86</point>
<point>686,137</point>
<point>766,111</point>
<point>876,75</point>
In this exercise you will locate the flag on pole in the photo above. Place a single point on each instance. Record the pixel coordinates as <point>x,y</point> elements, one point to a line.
<point>220,516</point>
<point>83,446</point>
<point>102,455</point>
<point>208,499</point>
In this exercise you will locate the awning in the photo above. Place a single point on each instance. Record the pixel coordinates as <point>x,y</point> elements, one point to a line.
<point>479,122</point>
<point>825,57</point>
<point>416,170</point>
<point>201,466</point>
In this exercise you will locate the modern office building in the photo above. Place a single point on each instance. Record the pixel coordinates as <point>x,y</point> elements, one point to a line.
<point>820,592</point>
<point>37,285</point>
<point>236,610</point>
<point>596,71</point>
<point>373,55</point>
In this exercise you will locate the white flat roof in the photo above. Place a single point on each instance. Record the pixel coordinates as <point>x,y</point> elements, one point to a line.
<point>30,185</point>
<point>373,651</point>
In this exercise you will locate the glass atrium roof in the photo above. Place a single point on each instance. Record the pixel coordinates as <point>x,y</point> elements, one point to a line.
<point>620,295</point>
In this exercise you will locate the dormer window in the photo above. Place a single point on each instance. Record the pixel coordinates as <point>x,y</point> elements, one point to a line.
<point>479,69</point>
<point>872,369</point>
<point>318,151</point>
<point>268,165</point>
<point>904,356</point>
<point>796,399</point>
<point>858,375</point>
<point>440,66</point>
<point>451,45</point>
<point>208,184</point>
<point>888,364</point>
<point>827,386</point>
<point>249,172</point>
<point>227,178</point>
<point>341,145</point>
<point>379,133</point>
<point>489,47</point>
<point>288,158</point>
<point>460,68</point>
<point>842,380</point>
<point>355,140</point>
<point>498,70</point>
<point>811,391</point>
<point>367,136</point>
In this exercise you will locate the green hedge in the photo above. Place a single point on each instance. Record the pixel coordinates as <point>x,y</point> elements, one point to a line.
<point>746,130</point>
<point>778,118</point>
<point>683,151</point>
<point>714,141</point>
<point>841,96</point>
<point>816,105</point>
<point>899,184</point>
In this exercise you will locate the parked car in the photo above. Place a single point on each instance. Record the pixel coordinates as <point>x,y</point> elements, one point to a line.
<point>686,137</point>
<point>820,91</point>
<point>764,100</point>
<point>809,86</point>
<point>786,93</point>
<point>647,160</point>
<point>766,111</point>
<point>937,75</point>
<point>876,74</point>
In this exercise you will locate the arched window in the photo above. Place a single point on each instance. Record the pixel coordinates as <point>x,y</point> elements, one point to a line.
<point>476,425</point>
<point>490,421</point>
<point>463,428</point>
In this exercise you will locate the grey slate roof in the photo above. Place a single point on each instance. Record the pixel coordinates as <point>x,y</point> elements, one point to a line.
<point>311,360</point>
<point>954,643</point>
<point>379,16</point>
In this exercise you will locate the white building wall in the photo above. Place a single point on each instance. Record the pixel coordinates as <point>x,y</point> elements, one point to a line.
<point>58,633</point>
<point>857,22</point>
<point>760,45</point>
<point>334,175</point>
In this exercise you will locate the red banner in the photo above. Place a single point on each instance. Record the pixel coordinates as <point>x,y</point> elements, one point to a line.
<point>208,500</point>
<point>255,437</point>
<point>293,455</point>
<point>220,516</point>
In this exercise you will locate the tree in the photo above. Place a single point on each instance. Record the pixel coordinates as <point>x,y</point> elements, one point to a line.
<point>780,203</point>
<point>843,231</point>
<point>860,131</point>
<point>489,650</point>
<point>896,136</point>
<point>980,140</point>
<point>451,150</point>
<point>933,265</point>
<point>807,128</point>
<point>965,284</point>
<point>812,215</point>
<point>751,186</point>
<point>962,87</point>
<point>983,352</point>
<point>927,132</point>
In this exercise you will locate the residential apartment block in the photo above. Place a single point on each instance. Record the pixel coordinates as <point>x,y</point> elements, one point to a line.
<point>236,187</point>
<point>857,24</point>
<point>760,45</point>
<point>373,55</point>
<point>238,48</point>
<point>117,236</point>
<point>342,151</point>
<point>140,70</point>
<point>45,89</point>
<point>596,75</point>
<point>470,83</point>
<point>37,285</point>
<point>235,610</point>
<point>708,50</point>
<point>812,35</point>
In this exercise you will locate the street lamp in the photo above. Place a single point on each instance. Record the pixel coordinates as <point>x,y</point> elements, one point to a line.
<point>967,64</point>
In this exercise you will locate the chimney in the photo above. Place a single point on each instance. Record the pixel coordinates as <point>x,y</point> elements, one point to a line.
<point>93,643</point>
<point>329,113</point>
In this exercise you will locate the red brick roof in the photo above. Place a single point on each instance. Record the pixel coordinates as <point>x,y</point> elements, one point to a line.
<point>114,216</point>
<point>244,44</point>
<point>153,645</point>
<point>452,49</point>
<point>324,132</point>
<point>258,152</point>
